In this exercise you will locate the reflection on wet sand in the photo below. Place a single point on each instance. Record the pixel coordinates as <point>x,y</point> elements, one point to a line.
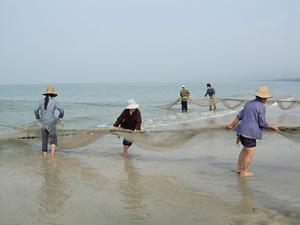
<point>252,211</point>
<point>56,188</point>
<point>131,189</point>
<point>53,194</point>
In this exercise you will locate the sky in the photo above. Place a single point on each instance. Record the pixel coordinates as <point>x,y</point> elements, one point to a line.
<point>67,41</point>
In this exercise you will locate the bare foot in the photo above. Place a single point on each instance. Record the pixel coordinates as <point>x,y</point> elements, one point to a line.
<point>246,174</point>
<point>124,155</point>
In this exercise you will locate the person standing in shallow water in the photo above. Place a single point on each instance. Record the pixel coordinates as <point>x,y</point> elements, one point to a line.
<point>184,94</point>
<point>250,121</point>
<point>210,91</point>
<point>130,119</point>
<point>45,113</point>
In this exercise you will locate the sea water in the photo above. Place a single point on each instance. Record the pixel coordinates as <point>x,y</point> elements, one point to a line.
<point>192,184</point>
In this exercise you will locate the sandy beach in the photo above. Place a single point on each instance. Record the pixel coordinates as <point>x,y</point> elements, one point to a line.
<point>193,184</point>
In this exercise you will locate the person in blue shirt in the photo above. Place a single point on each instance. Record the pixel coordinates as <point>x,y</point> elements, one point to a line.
<point>210,91</point>
<point>45,113</point>
<point>249,123</point>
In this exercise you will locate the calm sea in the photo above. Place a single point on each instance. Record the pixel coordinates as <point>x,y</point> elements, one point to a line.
<point>194,183</point>
<point>89,105</point>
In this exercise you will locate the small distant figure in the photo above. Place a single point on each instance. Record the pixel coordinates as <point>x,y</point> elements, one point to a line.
<point>210,91</point>
<point>184,94</point>
<point>130,119</point>
<point>45,113</point>
<point>250,121</point>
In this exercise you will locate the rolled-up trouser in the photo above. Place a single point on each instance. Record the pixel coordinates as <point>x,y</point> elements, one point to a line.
<point>212,104</point>
<point>126,142</point>
<point>46,133</point>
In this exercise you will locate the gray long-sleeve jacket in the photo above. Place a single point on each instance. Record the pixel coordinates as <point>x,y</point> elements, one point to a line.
<point>47,117</point>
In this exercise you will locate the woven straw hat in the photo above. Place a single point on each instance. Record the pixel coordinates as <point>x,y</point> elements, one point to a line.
<point>50,91</point>
<point>132,104</point>
<point>262,92</point>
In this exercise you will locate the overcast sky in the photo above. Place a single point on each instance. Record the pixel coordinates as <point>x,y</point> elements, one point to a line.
<point>59,41</point>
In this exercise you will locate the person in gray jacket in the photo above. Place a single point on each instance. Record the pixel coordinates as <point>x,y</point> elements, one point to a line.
<point>45,113</point>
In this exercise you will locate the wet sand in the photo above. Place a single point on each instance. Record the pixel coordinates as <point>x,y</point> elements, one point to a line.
<point>195,184</point>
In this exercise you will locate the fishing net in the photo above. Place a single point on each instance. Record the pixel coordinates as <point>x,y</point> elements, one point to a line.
<point>159,140</point>
<point>203,102</point>
<point>171,104</point>
<point>165,139</point>
<point>235,103</point>
<point>232,103</point>
<point>286,105</point>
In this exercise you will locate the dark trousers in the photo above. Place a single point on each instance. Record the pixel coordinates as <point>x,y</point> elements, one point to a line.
<point>46,133</point>
<point>184,106</point>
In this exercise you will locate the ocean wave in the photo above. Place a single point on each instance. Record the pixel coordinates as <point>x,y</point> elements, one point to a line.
<point>180,119</point>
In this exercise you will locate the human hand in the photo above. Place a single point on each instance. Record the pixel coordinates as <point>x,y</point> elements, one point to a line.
<point>229,126</point>
<point>62,123</point>
<point>273,127</point>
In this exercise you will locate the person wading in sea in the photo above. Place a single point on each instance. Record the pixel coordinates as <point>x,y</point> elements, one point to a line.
<point>250,121</point>
<point>184,94</point>
<point>210,91</point>
<point>130,119</point>
<point>45,113</point>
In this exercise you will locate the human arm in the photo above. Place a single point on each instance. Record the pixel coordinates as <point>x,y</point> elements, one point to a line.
<point>206,93</point>
<point>233,123</point>
<point>37,112</point>
<point>120,119</point>
<point>187,93</point>
<point>138,120</point>
<point>263,123</point>
<point>236,120</point>
<point>60,110</point>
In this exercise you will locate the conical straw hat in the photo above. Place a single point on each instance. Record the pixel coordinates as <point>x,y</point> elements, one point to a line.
<point>262,92</point>
<point>50,90</point>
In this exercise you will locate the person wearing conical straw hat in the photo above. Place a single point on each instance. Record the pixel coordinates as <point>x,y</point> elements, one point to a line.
<point>130,119</point>
<point>45,113</point>
<point>249,123</point>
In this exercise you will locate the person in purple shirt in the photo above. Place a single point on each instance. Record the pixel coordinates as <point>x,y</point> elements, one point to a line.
<point>249,123</point>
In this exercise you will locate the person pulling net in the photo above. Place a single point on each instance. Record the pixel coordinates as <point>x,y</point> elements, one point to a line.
<point>159,139</point>
<point>234,103</point>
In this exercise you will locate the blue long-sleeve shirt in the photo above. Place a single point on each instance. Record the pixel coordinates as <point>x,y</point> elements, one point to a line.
<point>210,92</point>
<point>252,119</point>
<point>47,117</point>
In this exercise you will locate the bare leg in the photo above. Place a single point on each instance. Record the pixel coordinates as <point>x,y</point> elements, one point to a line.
<point>125,150</point>
<point>53,150</point>
<point>249,153</point>
<point>242,155</point>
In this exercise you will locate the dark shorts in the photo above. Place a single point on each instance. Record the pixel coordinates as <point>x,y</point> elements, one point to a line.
<point>247,142</point>
<point>125,142</point>
<point>46,133</point>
